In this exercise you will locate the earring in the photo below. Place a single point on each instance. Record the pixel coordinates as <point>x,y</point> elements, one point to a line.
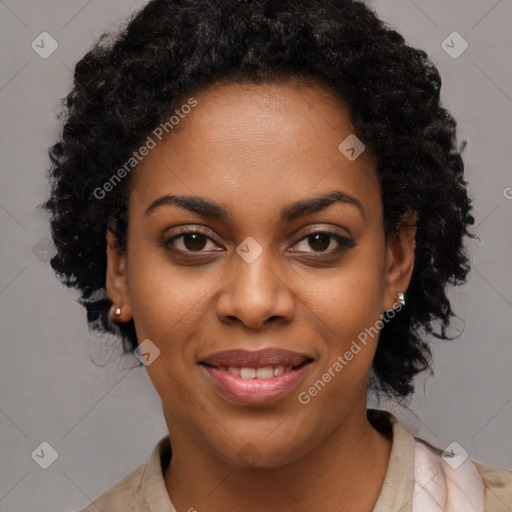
<point>117,311</point>
<point>401,299</point>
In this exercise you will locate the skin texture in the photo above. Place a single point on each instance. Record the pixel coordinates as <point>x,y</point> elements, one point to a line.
<point>255,149</point>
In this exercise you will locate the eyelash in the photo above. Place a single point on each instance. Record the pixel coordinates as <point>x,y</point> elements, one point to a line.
<point>344,243</point>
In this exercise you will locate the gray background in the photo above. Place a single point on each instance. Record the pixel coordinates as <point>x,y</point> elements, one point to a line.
<point>104,419</point>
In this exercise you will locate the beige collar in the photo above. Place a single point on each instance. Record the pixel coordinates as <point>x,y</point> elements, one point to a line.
<point>397,490</point>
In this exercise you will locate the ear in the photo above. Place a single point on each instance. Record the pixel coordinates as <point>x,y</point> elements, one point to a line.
<point>400,260</point>
<point>116,282</point>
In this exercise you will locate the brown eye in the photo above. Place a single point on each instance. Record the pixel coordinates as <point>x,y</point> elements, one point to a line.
<point>320,241</point>
<point>190,241</point>
<point>194,241</point>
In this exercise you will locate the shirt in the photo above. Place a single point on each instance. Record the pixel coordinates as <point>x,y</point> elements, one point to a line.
<point>419,478</point>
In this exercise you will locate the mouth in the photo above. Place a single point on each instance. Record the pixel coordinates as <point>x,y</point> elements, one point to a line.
<point>256,377</point>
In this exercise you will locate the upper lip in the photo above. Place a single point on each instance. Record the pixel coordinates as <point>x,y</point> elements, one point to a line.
<point>256,359</point>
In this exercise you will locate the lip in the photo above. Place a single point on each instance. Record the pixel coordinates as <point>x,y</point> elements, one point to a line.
<point>255,359</point>
<point>256,391</point>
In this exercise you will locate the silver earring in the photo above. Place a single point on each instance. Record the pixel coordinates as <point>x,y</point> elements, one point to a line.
<point>401,299</point>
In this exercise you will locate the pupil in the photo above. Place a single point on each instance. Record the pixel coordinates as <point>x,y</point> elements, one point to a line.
<point>318,236</point>
<point>198,241</point>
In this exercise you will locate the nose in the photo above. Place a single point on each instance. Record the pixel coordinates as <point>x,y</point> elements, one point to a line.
<point>255,293</point>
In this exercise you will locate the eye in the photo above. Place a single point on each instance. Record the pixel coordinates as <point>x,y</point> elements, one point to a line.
<point>190,240</point>
<point>321,241</point>
<point>193,240</point>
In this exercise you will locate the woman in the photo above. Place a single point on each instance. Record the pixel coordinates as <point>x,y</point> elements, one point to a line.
<point>265,201</point>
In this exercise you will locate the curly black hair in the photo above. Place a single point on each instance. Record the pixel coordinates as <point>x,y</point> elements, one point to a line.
<point>130,81</point>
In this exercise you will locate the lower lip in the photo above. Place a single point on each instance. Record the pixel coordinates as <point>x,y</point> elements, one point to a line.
<point>256,391</point>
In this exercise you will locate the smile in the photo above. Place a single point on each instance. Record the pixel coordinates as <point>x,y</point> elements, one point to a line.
<point>256,377</point>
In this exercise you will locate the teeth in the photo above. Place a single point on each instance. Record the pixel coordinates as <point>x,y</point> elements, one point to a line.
<point>278,370</point>
<point>248,373</point>
<point>265,373</point>
<point>260,373</point>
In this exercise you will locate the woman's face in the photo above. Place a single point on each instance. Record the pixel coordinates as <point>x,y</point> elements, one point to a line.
<point>251,164</point>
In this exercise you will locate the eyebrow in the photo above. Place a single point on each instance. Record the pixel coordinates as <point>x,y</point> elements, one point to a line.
<point>214,210</point>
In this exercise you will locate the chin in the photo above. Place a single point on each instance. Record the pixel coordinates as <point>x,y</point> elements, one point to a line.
<point>261,452</point>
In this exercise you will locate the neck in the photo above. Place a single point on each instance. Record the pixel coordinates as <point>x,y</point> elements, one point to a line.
<point>344,473</point>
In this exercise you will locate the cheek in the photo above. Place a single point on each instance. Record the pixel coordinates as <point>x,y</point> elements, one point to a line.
<point>347,309</point>
<point>350,299</point>
<point>166,299</point>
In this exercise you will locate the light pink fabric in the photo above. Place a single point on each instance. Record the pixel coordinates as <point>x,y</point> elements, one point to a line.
<point>439,487</point>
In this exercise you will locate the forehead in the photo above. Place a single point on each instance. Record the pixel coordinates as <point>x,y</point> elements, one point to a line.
<point>264,143</point>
